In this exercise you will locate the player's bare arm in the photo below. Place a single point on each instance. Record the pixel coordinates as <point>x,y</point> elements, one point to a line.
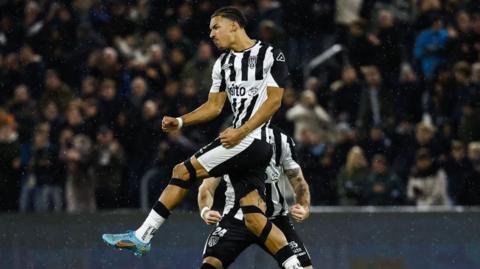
<point>206,192</point>
<point>231,136</point>
<point>206,112</point>
<point>301,210</point>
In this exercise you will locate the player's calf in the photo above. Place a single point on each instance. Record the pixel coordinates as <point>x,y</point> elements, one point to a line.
<point>183,176</point>
<point>271,237</point>
<point>211,263</point>
<point>268,234</point>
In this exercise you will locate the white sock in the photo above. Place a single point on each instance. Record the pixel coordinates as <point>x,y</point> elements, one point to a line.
<point>292,263</point>
<point>149,226</point>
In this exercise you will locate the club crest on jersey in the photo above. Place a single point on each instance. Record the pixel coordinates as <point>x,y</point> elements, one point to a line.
<point>272,173</point>
<point>252,61</point>
<point>226,66</point>
<point>253,91</point>
<point>212,241</point>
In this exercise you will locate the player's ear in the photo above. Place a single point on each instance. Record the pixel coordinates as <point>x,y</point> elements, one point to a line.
<point>234,26</point>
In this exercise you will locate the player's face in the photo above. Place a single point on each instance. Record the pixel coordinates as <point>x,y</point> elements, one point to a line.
<point>221,31</point>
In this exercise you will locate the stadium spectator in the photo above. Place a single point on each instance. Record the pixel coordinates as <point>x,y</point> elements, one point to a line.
<point>408,97</point>
<point>458,168</point>
<point>107,166</point>
<point>441,96</point>
<point>176,40</point>
<point>345,140</point>
<point>23,108</point>
<point>45,169</point>
<point>271,33</point>
<point>376,102</point>
<point>358,45</point>
<point>347,11</point>
<point>427,184</point>
<point>157,70</point>
<point>147,128</point>
<point>92,119</point>
<point>345,92</point>
<point>430,47</point>
<point>80,184</point>
<point>280,118</point>
<point>140,92</point>
<point>469,126</point>
<point>9,163</point>
<point>106,65</point>
<point>56,90</point>
<point>377,143</point>
<point>387,44</point>
<point>307,113</point>
<point>476,33</point>
<point>382,187</point>
<point>352,177</point>
<point>32,70</point>
<point>88,88</point>
<point>470,194</point>
<point>109,102</point>
<point>10,74</point>
<point>50,114</point>
<point>462,47</point>
<point>318,167</point>
<point>198,69</point>
<point>424,137</point>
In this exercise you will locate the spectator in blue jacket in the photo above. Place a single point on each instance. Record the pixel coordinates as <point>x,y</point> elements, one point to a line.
<point>430,47</point>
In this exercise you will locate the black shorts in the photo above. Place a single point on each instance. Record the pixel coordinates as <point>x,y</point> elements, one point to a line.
<point>231,237</point>
<point>245,163</point>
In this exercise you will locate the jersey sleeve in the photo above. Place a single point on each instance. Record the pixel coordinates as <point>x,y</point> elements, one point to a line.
<point>289,157</point>
<point>278,74</point>
<point>218,77</point>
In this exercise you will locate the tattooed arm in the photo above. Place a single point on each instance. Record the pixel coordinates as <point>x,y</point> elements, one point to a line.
<point>301,210</point>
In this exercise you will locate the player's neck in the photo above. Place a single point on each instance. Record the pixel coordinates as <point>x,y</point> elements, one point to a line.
<point>243,42</point>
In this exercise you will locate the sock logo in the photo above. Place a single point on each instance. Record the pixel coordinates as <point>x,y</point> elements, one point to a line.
<point>295,247</point>
<point>150,231</point>
<point>153,231</point>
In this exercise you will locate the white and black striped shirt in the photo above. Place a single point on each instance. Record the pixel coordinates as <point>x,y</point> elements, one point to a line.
<point>283,159</point>
<point>245,77</point>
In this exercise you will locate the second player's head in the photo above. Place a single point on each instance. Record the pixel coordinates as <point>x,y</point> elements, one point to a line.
<point>225,25</point>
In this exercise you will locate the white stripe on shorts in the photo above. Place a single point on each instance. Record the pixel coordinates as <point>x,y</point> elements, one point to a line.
<point>220,154</point>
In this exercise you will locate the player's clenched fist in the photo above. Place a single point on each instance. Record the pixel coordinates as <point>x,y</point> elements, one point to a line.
<point>170,124</point>
<point>299,213</point>
<point>230,137</point>
<point>211,217</point>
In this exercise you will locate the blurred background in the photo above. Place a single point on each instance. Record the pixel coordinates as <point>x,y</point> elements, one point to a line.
<point>383,103</point>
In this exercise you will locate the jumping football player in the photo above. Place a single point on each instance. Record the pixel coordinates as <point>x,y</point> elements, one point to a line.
<point>252,75</point>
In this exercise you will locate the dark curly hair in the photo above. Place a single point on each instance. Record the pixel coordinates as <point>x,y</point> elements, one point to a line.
<point>231,13</point>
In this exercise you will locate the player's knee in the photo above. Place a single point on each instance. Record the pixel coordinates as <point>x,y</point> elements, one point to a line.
<point>211,262</point>
<point>254,222</point>
<point>180,172</point>
<point>253,198</point>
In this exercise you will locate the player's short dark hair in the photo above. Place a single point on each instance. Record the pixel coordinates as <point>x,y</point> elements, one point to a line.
<point>231,13</point>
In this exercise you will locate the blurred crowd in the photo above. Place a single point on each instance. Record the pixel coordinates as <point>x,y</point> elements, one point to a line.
<point>392,119</point>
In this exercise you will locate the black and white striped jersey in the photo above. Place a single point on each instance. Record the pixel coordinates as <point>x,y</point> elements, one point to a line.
<point>245,76</point>
<point>283,158</point>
